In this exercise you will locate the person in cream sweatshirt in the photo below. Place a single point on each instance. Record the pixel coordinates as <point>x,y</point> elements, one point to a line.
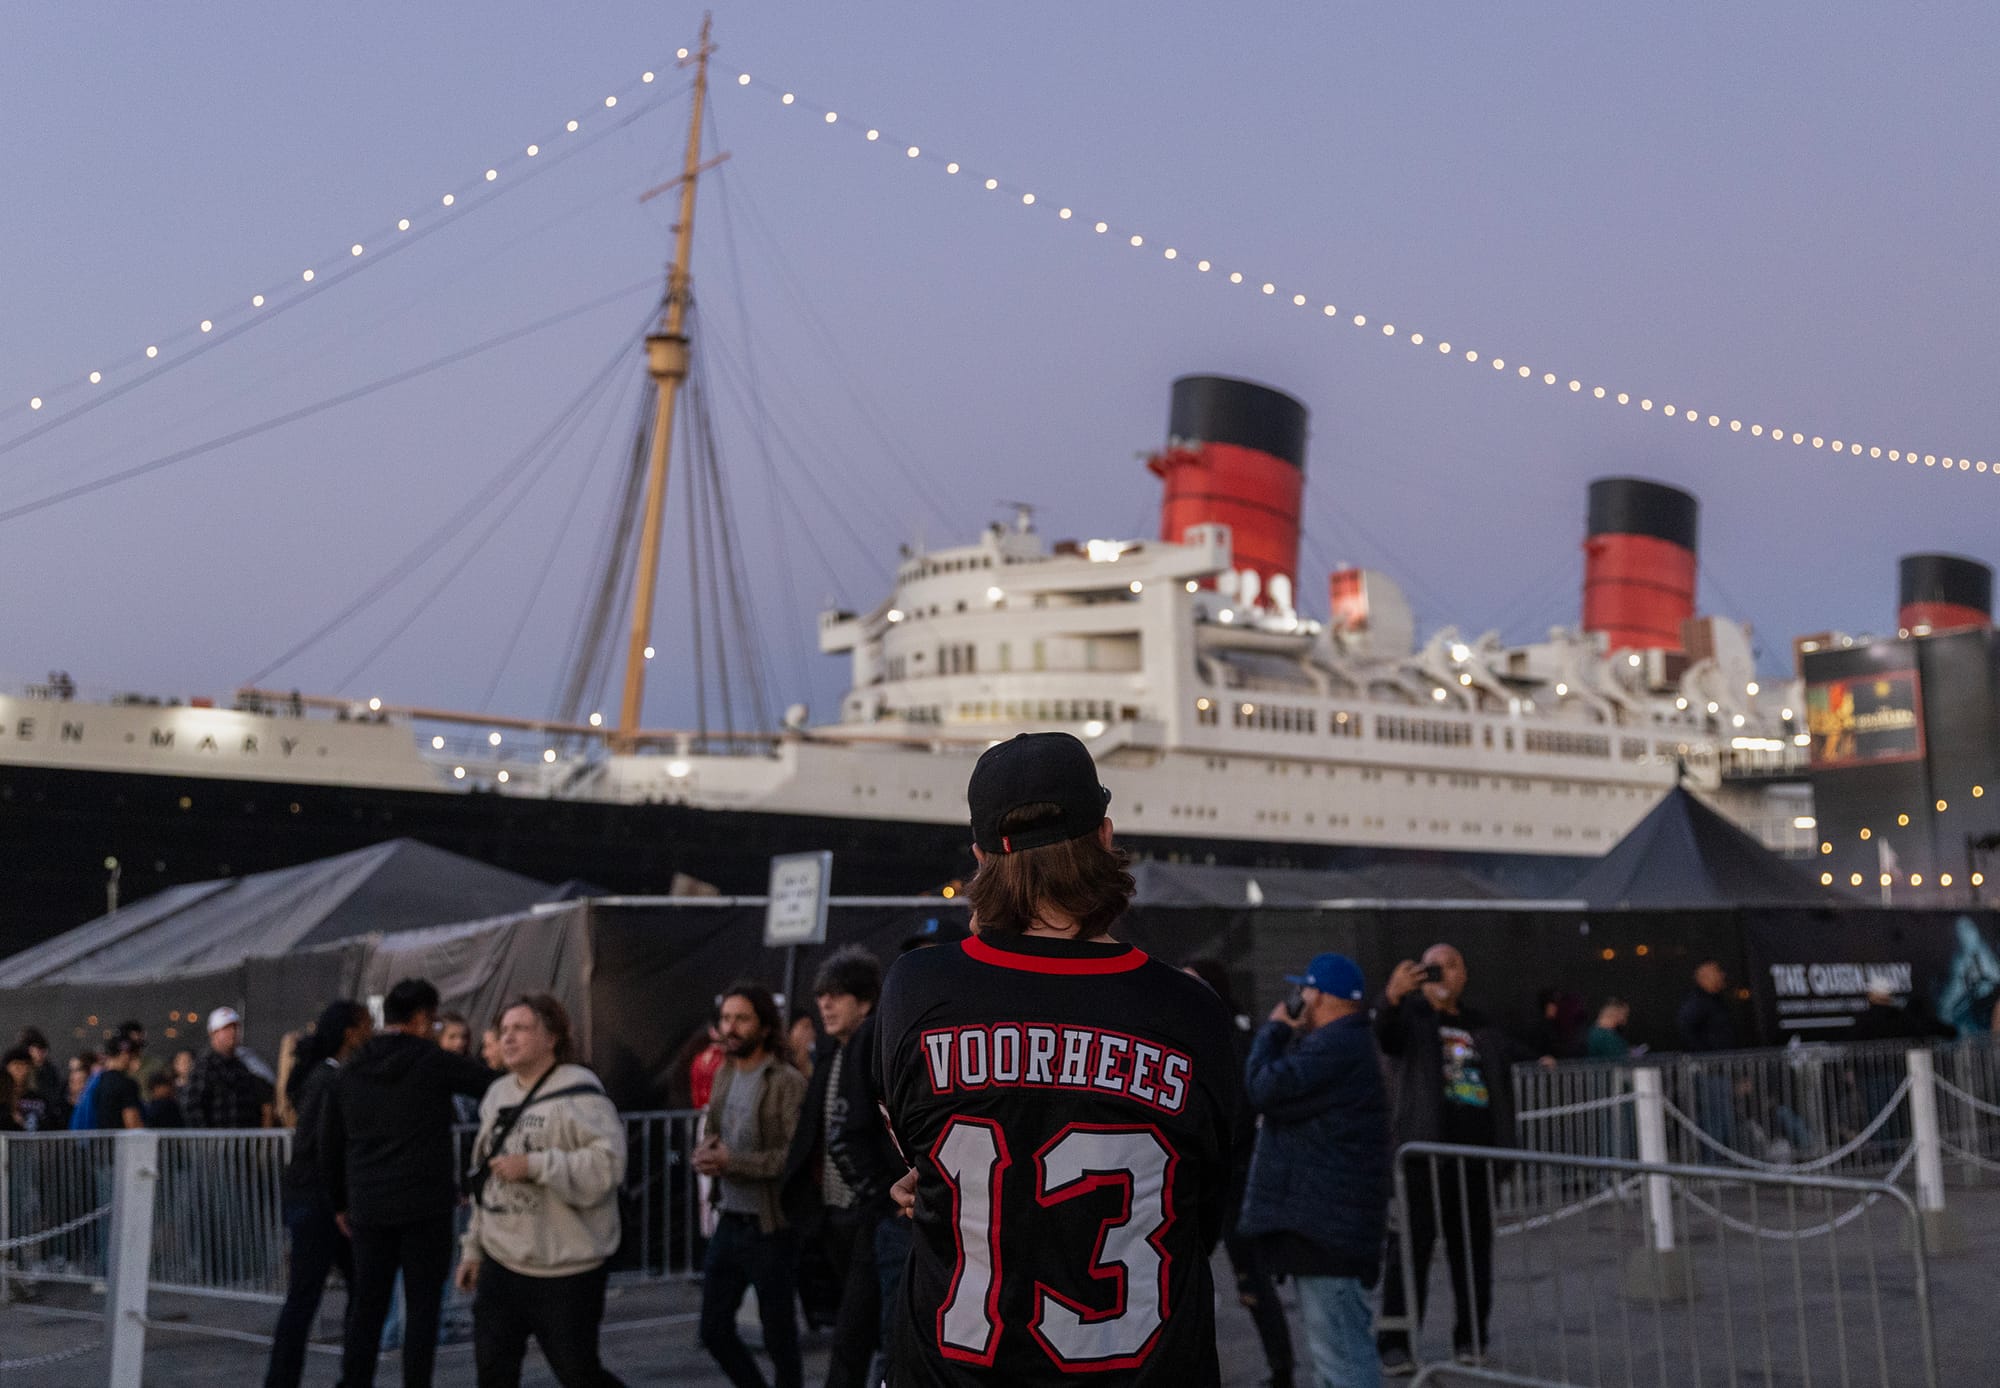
<point>548,1162</point>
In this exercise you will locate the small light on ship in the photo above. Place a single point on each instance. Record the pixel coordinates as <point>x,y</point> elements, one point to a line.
<point>492,739</point>
<point>1562,691</point>
<point>649,652</point>
<point>1438,694</point>
<point>1886,879</point>
<point>374,705</point>
<point>1751,689</point>
<point>1465,677</point>
<point>596,720</point>
<point>307,275</point>
<point>1191,584</point>
<point>1461,652</point>
<point>548,754</point>
<point>951,167</point>
<point>991,184</point>
<point>152,351</point>
<point>831,117</point>
<point>1270,288</point>
<point>895,614</point>
<point>1903,821</point>
<point>1785,714</point>
<point>1633,661</point>
<point>1867,834</point>
<point>1854,879</point>
<point>1136,586</point>
<point>994,595</point>
<point>36,403</point>
<point>913,151</point>
<point>1978,879</point>
<point>1094,728</point>
<point>1941,807</point>
<point>437,743</point>
<point>742,79</point>
<point>1138,241</point>
<point>1202,704</point>
<point>355,249</point>
<point>492,174</point>
<point>571,127</point>
<point>111,865</point>
<point>1236,277</point>
<point>1826,879</point>
<point>1944,879</point>
<point>1714,707</point>
<point>458,773</point>
<point>611,101</point>
<point>96,376</point>
<point>1978,791</point>
<point>1225,616</point>
<point>678,768</point>
<point>1805,821</point>
<point>503,778</point>
<point>948,893</point>
<point>1916,879</point>
<point>1802,740</point>
<point>647,76</point>
<point>1065,214</point>
<point>1249,709</point>
<point>1737,721</point>
<point>257,300</point>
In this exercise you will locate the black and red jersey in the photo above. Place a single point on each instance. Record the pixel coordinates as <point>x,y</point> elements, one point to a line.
<point>1067,1106</point>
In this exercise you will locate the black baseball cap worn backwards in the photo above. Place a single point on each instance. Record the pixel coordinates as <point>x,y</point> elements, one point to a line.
<point>1035,769</point>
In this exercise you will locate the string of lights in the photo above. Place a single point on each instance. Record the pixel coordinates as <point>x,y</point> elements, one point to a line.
<point>1893,878</point>
<point>118,372</point>
<point>1166,252</point>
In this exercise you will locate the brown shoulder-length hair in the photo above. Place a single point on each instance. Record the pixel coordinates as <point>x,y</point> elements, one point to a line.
<point>552,1015</point>
<point>1080,879</point>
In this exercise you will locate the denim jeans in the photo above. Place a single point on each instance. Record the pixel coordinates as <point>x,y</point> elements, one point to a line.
<point>893,1237</point>
<point>1340,1332</point>
<point>741,1256</point>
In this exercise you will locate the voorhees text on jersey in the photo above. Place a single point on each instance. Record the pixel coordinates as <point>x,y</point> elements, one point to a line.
<point>1080,1058</point>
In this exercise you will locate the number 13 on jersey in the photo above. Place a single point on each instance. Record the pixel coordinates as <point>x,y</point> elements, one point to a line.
<point>1105,1314</point>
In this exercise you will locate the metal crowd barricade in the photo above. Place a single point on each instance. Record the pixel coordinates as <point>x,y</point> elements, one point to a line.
<point>55,1205</point>
<point>1841,1110</point>
<point>219,1220</point>
<point>1658,1275</point>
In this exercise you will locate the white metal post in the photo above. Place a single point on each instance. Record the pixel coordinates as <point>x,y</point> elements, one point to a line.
<point>1649,1099</point>
<point>1924,1122</point>
<point>129,1253</point>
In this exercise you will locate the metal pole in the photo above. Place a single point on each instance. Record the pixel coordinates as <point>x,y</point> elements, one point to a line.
<point>129,1253</point>
<point>791,976</point>
<point>1650,1103</point>
<point>1924,1122</point>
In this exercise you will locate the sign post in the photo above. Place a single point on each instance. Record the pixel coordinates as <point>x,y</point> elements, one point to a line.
<point>796,912</point>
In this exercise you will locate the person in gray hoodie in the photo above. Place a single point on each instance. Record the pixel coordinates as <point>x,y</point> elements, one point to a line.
<point>546,1169</point>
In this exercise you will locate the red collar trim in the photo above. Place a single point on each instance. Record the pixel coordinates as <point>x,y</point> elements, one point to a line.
<point>978,949</point>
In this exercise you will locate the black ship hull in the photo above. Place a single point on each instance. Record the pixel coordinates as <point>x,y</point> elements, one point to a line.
<point>58,827</point>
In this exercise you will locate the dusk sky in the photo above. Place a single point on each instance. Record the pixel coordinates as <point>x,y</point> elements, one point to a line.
<point>1779,214</point>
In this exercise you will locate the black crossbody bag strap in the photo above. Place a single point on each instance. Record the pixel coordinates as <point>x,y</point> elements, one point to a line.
<point>475,1181</point>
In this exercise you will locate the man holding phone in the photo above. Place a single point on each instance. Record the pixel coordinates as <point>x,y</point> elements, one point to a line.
<point>1448,1066</point>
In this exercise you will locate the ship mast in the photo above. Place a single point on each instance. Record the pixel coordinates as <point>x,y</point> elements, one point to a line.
<point>667,363</point>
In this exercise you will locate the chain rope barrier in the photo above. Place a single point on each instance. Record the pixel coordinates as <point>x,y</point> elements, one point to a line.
<point>1582,1106</point>
<point>1819,1163</point>
<point>1541,1221</point>
<point>1812,1231</point>
<point>57,1356</point>
<point>29,1240</point>
<point>1972,1101</point>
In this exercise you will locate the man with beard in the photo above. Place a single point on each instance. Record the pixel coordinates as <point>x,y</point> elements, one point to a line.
<point>745,1137</point>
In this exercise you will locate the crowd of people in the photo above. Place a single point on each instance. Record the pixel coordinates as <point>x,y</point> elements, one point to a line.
<point>1004,1159</point>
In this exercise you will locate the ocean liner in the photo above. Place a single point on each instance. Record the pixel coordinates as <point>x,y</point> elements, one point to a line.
<point>1233,722</point>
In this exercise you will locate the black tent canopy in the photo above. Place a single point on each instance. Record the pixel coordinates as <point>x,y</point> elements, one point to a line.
<point>1685,854</point>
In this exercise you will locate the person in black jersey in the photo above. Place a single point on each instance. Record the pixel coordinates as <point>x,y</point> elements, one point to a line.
<point>1067,1103</point>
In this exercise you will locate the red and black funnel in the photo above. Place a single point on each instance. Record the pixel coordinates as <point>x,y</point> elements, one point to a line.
<point>1940,592</point>
<point>1236,456</point>
<point>1639,563</point>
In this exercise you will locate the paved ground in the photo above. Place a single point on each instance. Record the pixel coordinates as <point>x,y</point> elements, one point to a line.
<point>1559,1314</point>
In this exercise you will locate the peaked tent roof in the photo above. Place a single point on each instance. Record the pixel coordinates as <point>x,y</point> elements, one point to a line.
<point>1686,854</point>
<point>386,888</point>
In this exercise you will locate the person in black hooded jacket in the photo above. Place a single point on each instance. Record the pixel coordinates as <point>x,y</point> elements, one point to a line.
<point>315,1244</point>
<point>386,1145</point>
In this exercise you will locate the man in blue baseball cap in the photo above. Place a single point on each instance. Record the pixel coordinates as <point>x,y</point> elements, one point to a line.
<point>1317,1199</point>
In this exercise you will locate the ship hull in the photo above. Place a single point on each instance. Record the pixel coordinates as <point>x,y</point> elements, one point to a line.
<point>58,826</point>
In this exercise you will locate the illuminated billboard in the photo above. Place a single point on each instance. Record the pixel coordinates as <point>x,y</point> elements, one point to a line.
<point>1865,719</point>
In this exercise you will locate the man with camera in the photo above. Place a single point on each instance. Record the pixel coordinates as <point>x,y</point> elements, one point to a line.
<point>546,1167</point>
<point>1448,1072</point>
<point>1317,1198</point>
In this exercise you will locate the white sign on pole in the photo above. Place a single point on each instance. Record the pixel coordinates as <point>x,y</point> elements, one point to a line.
<point>796,914</point>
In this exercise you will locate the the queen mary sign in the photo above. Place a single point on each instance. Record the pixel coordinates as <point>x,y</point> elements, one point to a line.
<point>796,912</point>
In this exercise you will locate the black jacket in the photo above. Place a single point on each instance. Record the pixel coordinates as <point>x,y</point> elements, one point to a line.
<point>799,1193</point>
<point>860,1144</point>
<point>305,1173</point>
<point>1320,1170</point>
<point>385,1139</point>
<point>1706,1023</point>
<point>1408,1035</point>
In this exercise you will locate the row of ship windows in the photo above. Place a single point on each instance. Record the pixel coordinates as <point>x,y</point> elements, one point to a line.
<point>1427,732</point>
<point>1522,785</point>
<point>1469,828</point>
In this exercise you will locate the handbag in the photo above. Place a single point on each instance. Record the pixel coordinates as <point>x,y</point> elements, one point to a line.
<point>473,1184</point>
